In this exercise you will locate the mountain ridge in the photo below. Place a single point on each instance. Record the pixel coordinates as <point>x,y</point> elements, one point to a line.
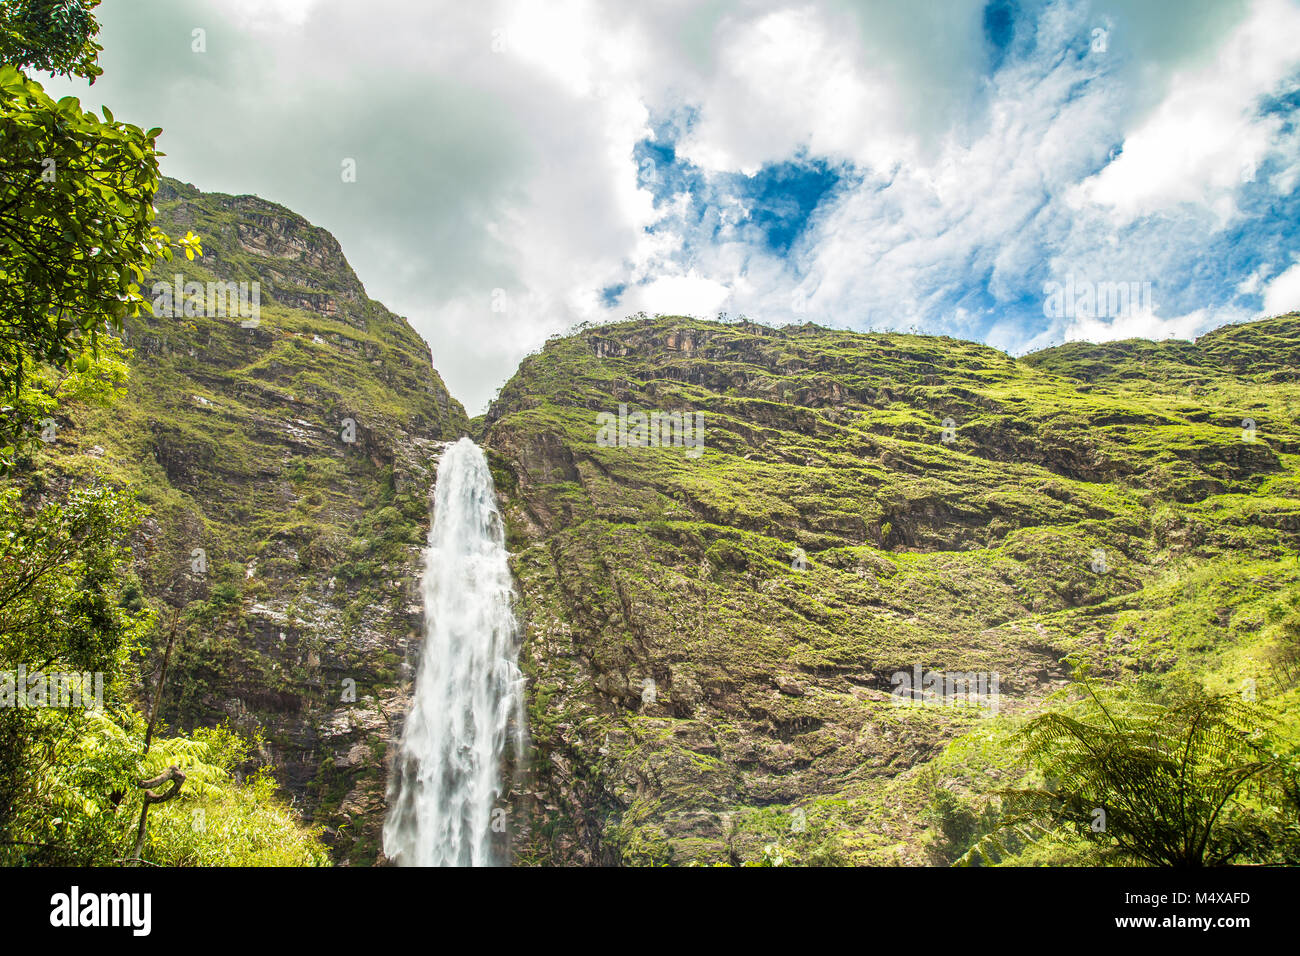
<point>714,640</point>
<point>286,457</point>
<point>711,644</point>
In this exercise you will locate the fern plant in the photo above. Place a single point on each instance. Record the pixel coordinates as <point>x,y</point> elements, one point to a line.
<point>1189,783</point>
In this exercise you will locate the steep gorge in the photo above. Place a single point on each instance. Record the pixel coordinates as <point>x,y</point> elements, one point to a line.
<point>710,642</point>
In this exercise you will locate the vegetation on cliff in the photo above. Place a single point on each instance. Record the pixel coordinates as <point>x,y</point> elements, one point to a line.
<point>285,461</point>
<point>715,643</point>
<point>858,599</point>
<point>77,238</point>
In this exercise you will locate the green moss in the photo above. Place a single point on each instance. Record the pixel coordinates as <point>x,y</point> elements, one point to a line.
<point>1097,505</point>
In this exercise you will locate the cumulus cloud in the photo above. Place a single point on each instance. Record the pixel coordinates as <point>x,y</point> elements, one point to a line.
<point>523,166</point>
<point>1283,292</point>
<point>1207,137</point>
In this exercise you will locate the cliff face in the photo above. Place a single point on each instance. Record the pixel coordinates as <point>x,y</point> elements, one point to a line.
<point>713,627</point>
<point>287,457</point>
<point>712,637</point>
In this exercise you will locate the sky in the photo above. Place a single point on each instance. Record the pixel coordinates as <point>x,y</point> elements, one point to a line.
<point>960,167</point>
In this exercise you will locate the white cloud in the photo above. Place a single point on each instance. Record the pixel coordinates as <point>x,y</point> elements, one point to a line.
<point>1282,294</point>
<point>495,147</point>
<point>688,294</point>
<point>1255,281</point>
<point>1142,324</point>
<point>893,251</point>
<point>269,14</point>
<point>1206,139</point>
<point>795,79</point>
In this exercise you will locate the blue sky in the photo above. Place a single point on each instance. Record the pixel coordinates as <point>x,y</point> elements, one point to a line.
<point>524,166</point>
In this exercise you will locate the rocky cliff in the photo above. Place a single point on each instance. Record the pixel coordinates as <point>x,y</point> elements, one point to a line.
<point>284,437</point>
<point>715,617</point>
<point>712,636</point>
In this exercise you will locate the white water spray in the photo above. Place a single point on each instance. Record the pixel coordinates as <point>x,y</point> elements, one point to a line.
<point>469,691</point>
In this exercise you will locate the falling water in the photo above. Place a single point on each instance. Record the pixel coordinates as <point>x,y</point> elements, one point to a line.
<point>468,691</point>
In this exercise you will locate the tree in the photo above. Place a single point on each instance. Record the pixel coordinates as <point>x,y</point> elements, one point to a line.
<point>53,36</point>
<point>76,238</point>
<point>66,607</point>
<point>1191,783</point>
<point>75,781</point>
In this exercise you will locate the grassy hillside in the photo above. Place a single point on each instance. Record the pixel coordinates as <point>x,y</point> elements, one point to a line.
<point>294,550</point>
<point>711,640</point>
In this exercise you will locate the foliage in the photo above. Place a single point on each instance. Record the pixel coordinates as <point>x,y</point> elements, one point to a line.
<point>53,36</point>
<point>958,824</point>
<point>224,817</point>
<point>1197,781</point>
<point>84,807</point>
<point>68,794</point>
<point>62,576</point>
<point>76,236</point>
<point>978,554</point>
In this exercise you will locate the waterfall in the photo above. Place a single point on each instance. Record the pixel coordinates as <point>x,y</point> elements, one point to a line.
<point>468,696</point>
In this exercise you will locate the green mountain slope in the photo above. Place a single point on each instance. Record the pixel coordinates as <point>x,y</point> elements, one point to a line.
<point>292,536</point>
<point>712,641</point>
